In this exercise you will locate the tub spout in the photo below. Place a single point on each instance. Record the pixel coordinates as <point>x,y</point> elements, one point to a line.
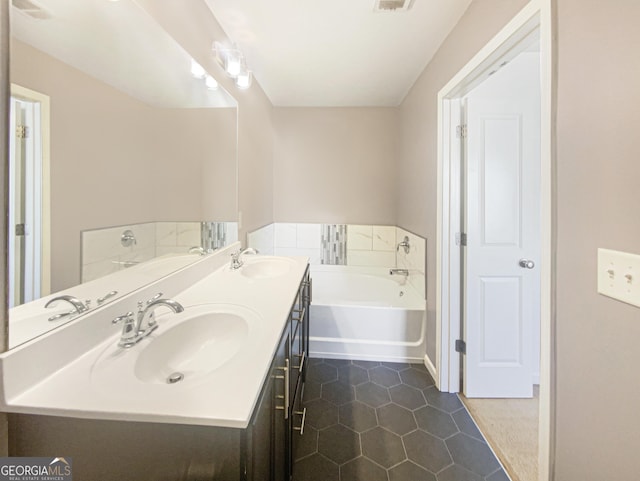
<point>399,272</point>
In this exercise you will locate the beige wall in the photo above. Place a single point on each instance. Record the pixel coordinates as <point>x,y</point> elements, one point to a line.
<point>598,165</point>
<point>417,174</point>
<point>335,165</point>
<point>97,152</point>
<point>195,28</point>
<point>116,160</point>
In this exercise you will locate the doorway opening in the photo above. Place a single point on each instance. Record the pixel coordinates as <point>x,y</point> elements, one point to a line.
<point>494,224</point>
<point>29,211</point>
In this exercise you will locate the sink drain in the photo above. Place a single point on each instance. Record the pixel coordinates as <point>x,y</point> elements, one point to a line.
<point>175,377</point>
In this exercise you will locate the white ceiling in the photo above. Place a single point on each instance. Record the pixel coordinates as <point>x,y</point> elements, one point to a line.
<point>336,52</point>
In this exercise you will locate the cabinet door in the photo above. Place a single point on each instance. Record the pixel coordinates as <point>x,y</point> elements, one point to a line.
<point>260,437</point>
<point>281,420</point>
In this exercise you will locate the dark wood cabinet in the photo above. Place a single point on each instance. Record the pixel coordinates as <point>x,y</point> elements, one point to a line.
<point>278,420</point>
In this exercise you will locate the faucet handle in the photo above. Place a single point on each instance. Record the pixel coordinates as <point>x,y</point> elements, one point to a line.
<point>154,298</point>
<point>128,316</point>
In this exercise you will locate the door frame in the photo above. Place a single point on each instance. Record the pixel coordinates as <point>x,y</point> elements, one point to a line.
<point>533,19</point>
<point>24,93</point>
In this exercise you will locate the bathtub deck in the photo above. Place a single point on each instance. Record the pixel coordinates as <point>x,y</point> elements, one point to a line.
<point>370,421</point>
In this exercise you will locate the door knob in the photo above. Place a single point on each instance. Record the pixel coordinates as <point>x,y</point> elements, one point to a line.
<point>527,264</point>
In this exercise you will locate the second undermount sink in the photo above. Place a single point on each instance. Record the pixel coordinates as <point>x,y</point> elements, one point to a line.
<point>197,345</point>
<point>265,267</point>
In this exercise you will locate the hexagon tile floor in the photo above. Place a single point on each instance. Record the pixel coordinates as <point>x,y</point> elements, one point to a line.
<point>378,421</point>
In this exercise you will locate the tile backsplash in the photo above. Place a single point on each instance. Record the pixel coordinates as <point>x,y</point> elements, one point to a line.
<point>345,244</point>
<point>103,252</point>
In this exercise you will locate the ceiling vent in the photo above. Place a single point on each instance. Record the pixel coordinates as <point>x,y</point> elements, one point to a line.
<point>31,9</point>
<point>392,5</point>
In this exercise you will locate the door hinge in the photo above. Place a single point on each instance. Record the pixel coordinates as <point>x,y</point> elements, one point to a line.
<point>22,131</point>
<point>461,131</point>
<point>461,239</point>
<point>461,346</point>
<point>21,229</point>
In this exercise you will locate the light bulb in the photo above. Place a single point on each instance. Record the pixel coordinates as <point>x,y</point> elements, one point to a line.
<point>243,80</point>
<point>233,65</point>
<point>197,70</point>
<point>211,83</point>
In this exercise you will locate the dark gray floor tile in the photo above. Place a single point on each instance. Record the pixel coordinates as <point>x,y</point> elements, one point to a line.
<point>466,424</point>
<point>337,362</point>
<point>472,454</point>
<point>396,366</point>
<point>372,394</point>
<point>358,416</point>
<point>312,390</point>
<point>383,447</point>
<point>416,378</point>
<point>419,366</point>
<point>316,468</point>
<point>314,361</point>
<point>499,475</point>
<point>456,472</point>
<point>354,375</point>
<point>435,422</point>
<point>427,451</point>
<point>366,364</point>
<point>321,413</point>
<point>442,400</point>
<point>409,471</point>
<point>339,443</point>
<point>338,392</point>
<point>362,469</point>
<point>322,373</point>
<point>407,396</point>
<point>307,444</point>
<point>396,419</point>
<point>384,376</point>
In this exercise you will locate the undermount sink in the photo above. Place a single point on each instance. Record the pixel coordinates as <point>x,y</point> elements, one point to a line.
<point>186,347</point>
<point>195,347</point>
<point>265,267</point>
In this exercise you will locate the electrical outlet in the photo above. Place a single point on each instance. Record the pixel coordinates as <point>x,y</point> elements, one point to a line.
<point>619,276</point>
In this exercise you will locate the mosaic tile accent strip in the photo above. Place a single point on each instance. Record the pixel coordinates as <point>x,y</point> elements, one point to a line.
<point>334,244</point>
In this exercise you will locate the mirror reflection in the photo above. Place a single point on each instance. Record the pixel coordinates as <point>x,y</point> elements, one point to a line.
<point>121,158</point>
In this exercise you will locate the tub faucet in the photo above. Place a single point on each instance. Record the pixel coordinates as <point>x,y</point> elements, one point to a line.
<point>236,261</point>
<point>404,244</point>
<point>399,272</point>
<point>200,250</point>
<point>78,306</point>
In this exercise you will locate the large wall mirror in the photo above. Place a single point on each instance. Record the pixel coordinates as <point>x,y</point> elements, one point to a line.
<point>121,155</point>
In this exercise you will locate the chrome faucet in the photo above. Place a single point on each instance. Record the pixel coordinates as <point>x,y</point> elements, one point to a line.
<point>199,250</point>
<point>137,327</point>
<point>399,272</point>
<point>404,244</point>
<point>78,306</point>
<point>236,261</point>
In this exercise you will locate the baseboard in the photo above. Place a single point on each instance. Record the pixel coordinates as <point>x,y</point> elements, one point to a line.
<point>432,370</point>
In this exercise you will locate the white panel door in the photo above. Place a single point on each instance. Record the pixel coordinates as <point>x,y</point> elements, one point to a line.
<point>502,217</point>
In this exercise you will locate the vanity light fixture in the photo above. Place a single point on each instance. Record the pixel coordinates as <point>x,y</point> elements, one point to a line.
<point>232,60</point>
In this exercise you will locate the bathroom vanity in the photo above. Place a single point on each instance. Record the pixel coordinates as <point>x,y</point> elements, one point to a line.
<point>240,346</point>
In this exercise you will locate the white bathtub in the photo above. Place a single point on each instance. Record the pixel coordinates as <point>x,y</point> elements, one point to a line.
<point>365,313</point>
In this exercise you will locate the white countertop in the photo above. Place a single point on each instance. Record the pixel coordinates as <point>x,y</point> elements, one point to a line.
<point>90,384</point>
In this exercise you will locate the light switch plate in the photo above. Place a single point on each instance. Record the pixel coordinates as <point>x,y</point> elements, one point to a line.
<point>619,276</point>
